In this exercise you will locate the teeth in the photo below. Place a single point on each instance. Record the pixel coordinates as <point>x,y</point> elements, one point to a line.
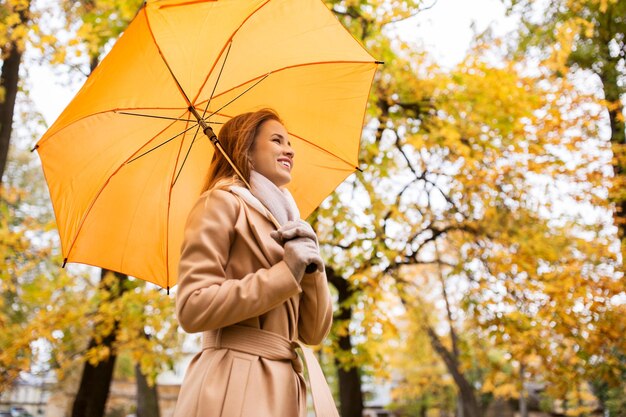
<point>286,164</point>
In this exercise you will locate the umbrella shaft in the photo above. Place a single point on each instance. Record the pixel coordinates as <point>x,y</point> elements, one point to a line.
<point>204,125</point>
<point>208,130</point>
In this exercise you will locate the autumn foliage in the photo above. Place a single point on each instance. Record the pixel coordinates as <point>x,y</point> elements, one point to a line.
<point>477,257</point>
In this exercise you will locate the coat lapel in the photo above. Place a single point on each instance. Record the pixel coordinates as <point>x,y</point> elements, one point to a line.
<point>272,253</point>
<point>261,227</point>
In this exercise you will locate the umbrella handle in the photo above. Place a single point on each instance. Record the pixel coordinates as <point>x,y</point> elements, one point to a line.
<point>310,268</point>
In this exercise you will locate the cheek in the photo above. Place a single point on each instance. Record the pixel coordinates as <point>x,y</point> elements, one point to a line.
<point>260,160</point>
<point>256,155</point>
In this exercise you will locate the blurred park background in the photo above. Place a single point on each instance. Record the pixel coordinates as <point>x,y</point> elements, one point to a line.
<point>477,261</point>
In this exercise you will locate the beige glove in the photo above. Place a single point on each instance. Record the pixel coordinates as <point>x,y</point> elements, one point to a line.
<point>301,249</point>
<point>292,230</point>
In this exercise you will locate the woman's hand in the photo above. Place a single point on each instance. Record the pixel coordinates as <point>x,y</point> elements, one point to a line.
<point>292,230</point>
<point>301,248</point>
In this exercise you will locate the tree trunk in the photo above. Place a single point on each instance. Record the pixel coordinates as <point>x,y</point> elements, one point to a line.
<point>93,63</point>
<point>469,405</point>
<point>618,145</point>
<point>96,380</point>
<point>350,390</point>
<point>147,396</point>
<point>523,405</point>
<point>94,384</point>
<point>609,77</point>
<point>9,80</point>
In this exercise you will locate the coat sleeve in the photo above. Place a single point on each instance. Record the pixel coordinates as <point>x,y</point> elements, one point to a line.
<point>316,309</point>
<point>207,299</point>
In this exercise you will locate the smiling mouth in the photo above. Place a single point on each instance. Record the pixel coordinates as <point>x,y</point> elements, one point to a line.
<point>285,164</point>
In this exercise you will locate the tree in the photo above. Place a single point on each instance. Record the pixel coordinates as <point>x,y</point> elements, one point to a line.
<point>424,383</point>
<point>365,20</point>
<point>40,307</point>
<point>20,28</point>
<point>47,314</point>
<point>454,160</point>
<point>95,23</point>
<point>586,39</point>
<point>133,318</point>
<point>14,21</point>
<point>101,22</point>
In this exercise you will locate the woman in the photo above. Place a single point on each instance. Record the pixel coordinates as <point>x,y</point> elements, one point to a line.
<point>243,282</point>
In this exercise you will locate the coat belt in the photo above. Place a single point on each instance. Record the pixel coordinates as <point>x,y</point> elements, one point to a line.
<point>272,346</point>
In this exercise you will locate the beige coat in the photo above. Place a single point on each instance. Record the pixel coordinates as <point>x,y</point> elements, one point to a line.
<point>231,272</point>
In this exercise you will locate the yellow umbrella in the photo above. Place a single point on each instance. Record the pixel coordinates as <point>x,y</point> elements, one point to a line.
<point>124,161</point>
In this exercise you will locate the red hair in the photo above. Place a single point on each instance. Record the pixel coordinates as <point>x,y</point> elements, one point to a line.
<point>236,137</point>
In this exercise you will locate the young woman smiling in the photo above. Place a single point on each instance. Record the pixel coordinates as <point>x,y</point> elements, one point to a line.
<point>245,284</point>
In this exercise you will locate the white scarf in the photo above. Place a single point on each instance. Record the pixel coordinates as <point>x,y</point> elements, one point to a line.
<point>265,196</point>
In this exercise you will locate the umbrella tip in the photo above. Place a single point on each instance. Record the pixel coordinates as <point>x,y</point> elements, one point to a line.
<point>168,290</point>
<point>380,62</point>
<point>359,169</point>
<point>34,148</point>
<point>64,262</point>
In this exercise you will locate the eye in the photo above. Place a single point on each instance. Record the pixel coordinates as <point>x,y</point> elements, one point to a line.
<point>276,140</point>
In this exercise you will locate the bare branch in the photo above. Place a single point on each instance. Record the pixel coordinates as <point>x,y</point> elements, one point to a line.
<point>400,19</point>
<point>399,145</point>
<point>411,257</point>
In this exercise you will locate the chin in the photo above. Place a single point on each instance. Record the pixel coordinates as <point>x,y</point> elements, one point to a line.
<point>282,181</point>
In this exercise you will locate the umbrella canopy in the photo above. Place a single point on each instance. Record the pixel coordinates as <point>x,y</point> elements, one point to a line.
<point>126,159</point>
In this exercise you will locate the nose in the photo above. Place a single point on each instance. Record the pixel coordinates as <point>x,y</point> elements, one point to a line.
<point>289,151</point>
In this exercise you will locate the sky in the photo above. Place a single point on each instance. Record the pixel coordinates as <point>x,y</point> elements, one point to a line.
<point>444,30</point>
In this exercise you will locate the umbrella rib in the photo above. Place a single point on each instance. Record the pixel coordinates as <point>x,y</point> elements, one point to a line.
<point>161,144</point>
<point>186,3</point>
<point>263,77</point>
<point>106,183</point>
<point>115,110</point>
<point>153,116</point>
<point>156,45</point>
<point>206,108</point>
<point>195,136</point>
<point>291,67</point>
<point>325,151</point>
<point>166,118</point>
<point>248,89</point>
<point>229,41</point>
<point>169,202</point>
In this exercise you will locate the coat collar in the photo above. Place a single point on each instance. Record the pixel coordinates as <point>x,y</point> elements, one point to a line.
<point>251,200</point>
<point>261,225</point>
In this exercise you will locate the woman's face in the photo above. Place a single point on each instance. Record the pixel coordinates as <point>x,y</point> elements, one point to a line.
<point>271,153</point>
